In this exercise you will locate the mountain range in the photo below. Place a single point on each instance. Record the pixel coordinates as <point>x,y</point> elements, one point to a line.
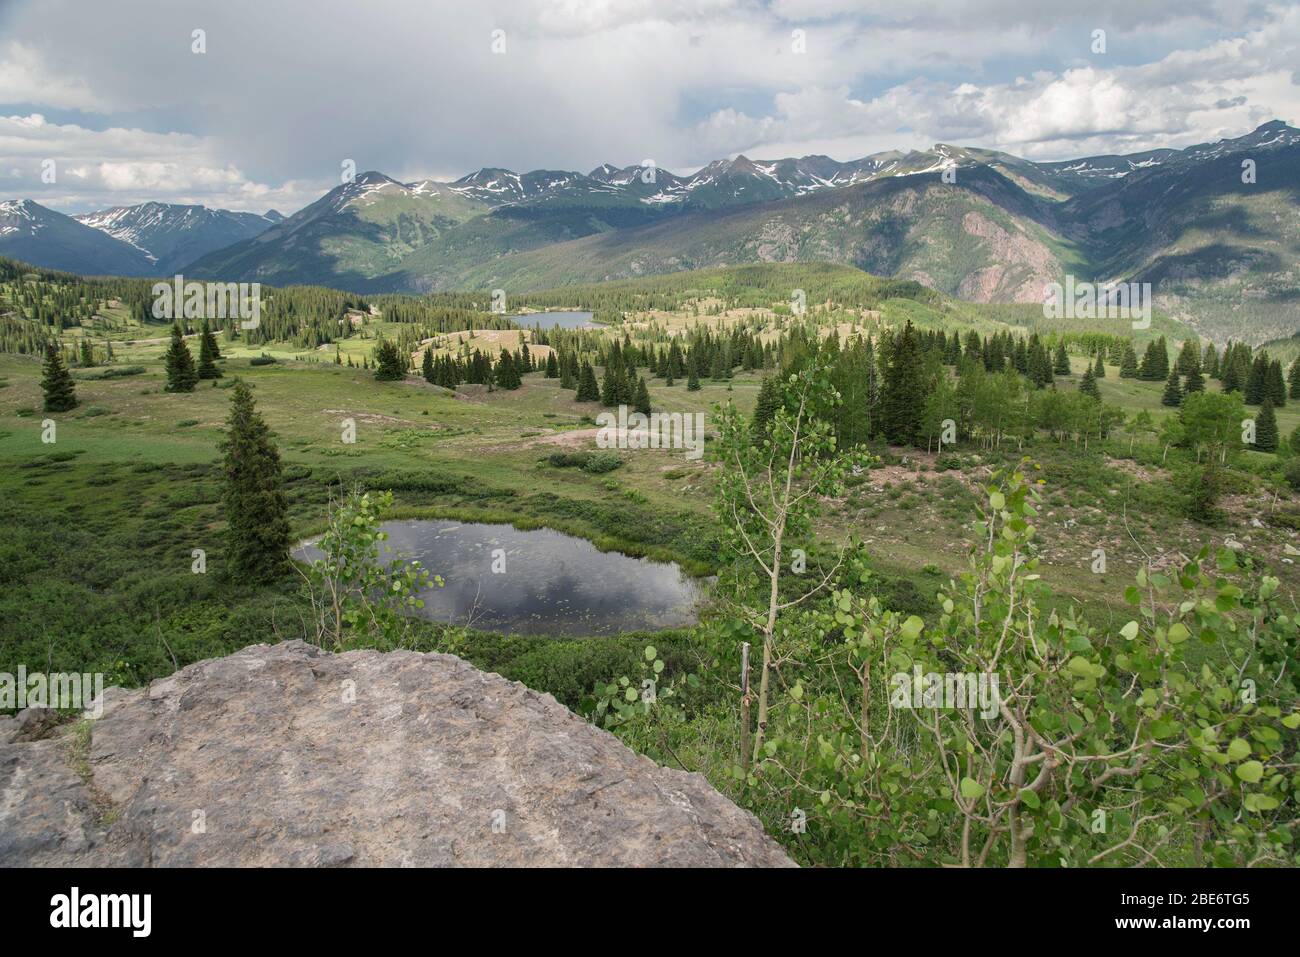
<point>152,239</point>
<point>1218,245</point>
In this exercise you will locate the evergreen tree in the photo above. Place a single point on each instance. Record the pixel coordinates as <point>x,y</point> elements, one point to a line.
<point>1039,364</point>
<point>1293,378</point>
<point>641,401</point>
<point>209,353</point>
<point>181,375</point>
<point>1275,384</point>
<point>904,393</point>
<point>257,523</point>
<point>389,366</point>
<point>1061,364</point>
<point>1257,380</point>
<point>718,369</point>
<point>507,372</point>
<point>1231,377</point>
<point>1266,428</point>
<point>588,390</point>
<point>56,382</point>
<point>692,372</point>
<point>1128,366</point>
<point>552,367</point>
<point>1210,361</point>
<point>426,366</point>
<point>676,367</point>
<point>611,384</point>
<point>1088,384</point>
<point>1195,382</point>
<point>1173,395</point>
<point>1099,370</point>
<point>765,407</point>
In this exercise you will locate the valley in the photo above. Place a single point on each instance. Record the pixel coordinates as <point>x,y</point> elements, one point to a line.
<point>107,514</point>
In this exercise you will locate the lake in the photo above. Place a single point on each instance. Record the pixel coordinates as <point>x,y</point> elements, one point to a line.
<point>550,583</point>
<point>556,320</point>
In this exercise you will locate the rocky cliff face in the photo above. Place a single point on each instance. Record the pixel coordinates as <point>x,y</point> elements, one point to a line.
<point>287,755</point>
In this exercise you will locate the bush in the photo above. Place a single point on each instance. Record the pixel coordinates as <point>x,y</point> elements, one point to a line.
<point>569,668</point>
<point>262,360</point>
<point>1292,473</point>
<point>595,463</point>
<point>113,372</point>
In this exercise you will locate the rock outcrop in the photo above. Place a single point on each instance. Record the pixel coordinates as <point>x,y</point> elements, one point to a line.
<point>287,755</point>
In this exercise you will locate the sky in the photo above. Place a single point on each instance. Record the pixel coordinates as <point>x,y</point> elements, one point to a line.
<point>284,93</point>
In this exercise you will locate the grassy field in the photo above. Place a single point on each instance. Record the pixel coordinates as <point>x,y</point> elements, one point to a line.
<point>911,513</point>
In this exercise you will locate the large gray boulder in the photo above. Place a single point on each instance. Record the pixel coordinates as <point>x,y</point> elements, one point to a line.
<point>287,755</point>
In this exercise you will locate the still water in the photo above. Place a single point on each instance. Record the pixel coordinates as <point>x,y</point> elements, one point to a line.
<point>551,583</point>
<point>556,320</point>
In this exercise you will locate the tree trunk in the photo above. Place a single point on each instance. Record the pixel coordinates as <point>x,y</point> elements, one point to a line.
<point>744,708</point>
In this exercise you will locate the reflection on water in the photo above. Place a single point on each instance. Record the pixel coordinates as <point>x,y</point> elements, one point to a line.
<point>552,583</point>
<point>556,320</point>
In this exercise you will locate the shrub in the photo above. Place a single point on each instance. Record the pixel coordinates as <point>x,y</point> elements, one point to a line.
<point>596,463</point>
<point>1292,473</point>
<point>113,372</point>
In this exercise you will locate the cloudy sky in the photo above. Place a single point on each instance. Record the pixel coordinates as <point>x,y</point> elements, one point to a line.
<point>288,90</point>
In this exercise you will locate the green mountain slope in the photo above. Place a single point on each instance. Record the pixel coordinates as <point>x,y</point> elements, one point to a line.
<point>981,238</point>
<point>38,235</point>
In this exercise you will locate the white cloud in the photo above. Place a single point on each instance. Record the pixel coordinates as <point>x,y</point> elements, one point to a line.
<point>1186,97</point>
<point>288,90</point>
<point>120,166</point>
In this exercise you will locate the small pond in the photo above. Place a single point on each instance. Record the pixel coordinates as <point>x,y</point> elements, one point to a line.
<point>552,583</point>
<point>555,320</point>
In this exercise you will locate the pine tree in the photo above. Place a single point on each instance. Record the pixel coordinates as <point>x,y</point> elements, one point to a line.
<point>588,390</point>
<point>209,353</point>
<point>389,366</point>
<point>257,523</point>
<point>1173,395</point>
<point>1088,384</point>
<point>1231,377</point>
<point>1128,366</point>
<point>1257,380</point>
<point>56,382</point>
<point>1099,370</point>
<point>181,376</point>
<point>676,367</point>
<point>1293,378</point>
<point>552,367</point>
<point>507,372</point>
<point>641,402</point>
<point>1210,361</point>
<point>611,384</point>
<point>1195,382</point>
<point>904,393</point>
<point>692,372</point>
<point>1061,364</point>
<point>1275,384</point>
<point>426,366</point>
<point>765,407</point>
<point>1266,428</point>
